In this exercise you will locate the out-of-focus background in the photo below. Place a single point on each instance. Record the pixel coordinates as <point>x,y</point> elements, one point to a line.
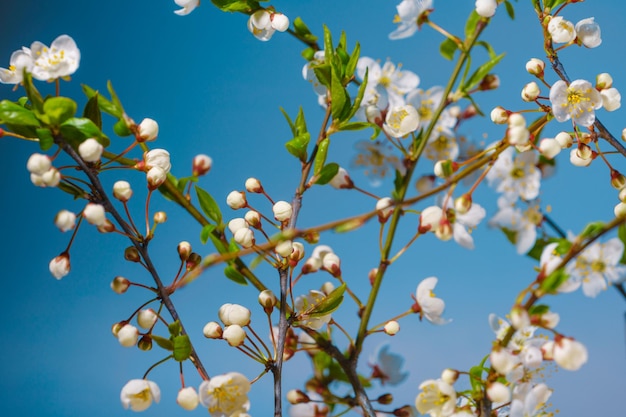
<point>215,89</point>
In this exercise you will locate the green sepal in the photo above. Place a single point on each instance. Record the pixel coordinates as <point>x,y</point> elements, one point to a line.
<point>46,139</point>
<point>182,347</point>
<point>163,342</point>
<point>231,273</point>
<point>328,304</point>
<point>77,129</point>
<point>208,205</point>
<point>57,110</point>
<point>14,114</point>
<point>327,173</point>
<point>92,111</point>
<point>320,156</point>
<point>447,48</point>
<point>308,53</point>
<point>105,105</point>
<point>480,73</point>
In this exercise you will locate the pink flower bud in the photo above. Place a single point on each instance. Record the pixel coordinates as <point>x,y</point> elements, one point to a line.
<point>156,176</point>
<point>341,180</point>
<point>536,67</point>
<point>280,22</point>
<point>234,314</point>
<point>157,158</point>
<point>384,209</point>
<point>184,250</point>
<point>530,92</point>
<point>499,115</point>
<point>253,218</point>
<point>245,237</point>
<point>569,354</point>
<point>332,264</point>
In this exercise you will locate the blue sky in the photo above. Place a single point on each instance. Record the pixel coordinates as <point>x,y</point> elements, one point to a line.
<point>215,89</point>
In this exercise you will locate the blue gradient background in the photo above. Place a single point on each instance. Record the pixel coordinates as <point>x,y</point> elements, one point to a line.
<point>215,89</point>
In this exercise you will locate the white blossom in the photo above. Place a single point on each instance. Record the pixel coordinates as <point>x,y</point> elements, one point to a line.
<point>430,306</point>
<point>486,8</point>
<point>387,366</point>
<point>408,13</point>
<point>588,32</point>
<point>438,398</point>
<point>578,102</point>
<point>225,395</point>
<point>188,6</point>
<point>561,30</point>
<point>138,394</point>
<point>59,60</point>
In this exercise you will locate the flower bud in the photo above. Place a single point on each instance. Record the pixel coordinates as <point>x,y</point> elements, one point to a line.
<point>549,320</point>
<point>463,204</point>
<point>253,218</point>
<point>148,130</point>
<point>234,314</point>
<point>489,82</point>
<point>311,265</point>
<point>391,327</point>
<point>280,22</point>
<point>51,178</point>
<point>385,399</point>
<point>187,398</point>
<point>618,181</point>
<point>245,237</point>
<point>497,392</point>
<point>65,220</point>
<point>132,254</point>
<point>268,300</point>
<point>549,148</point>
<point>298,252</point>
<point>184,250</point>
<point>604,80</point>
<point>253,185</point>
<point>519,317</point>
<point>518,136</point>
<point>384,209</point>
<point>499,115</point>
<point>212,330</point>
<point>371,275</point>
<point>234,335</point>
<point>536,67</point>
<point>284,248</point>
<point>503,361</point>
<point>106,227</point>
<point>282,211</point>
<point>128,335</point>
<point>60,265</point>
<point>160,217</point>
<point>146,318</point>
<point>193,261</point>
<point>577,158</point>
<point>449,376</point>
<point>157,158</point>
<point>332,264</point>
<point>156,177</point>
<point>201,165</point>
<point>564,139</point>
<point>341,180</point>
<point>122,191</point>
<point>611,99</point>
<point>38,164</point>
<point>236,224</point>
<point>236,200</point>
<point>327,287</point>
<point>295,396</point>
<point>374,115</point>
<point>90,150</point>
<point>429,219</point>
<point>569,354</point>
<point>94,214</point>
<point>445,168</point>
<point>620,210</point>
<point>145,343</point>
<point>588,33</point>
<point>120,285</point>
<point>530,92</point>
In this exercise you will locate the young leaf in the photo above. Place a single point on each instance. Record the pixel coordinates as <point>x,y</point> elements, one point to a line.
<point>104,104</point>
<point>32,93</point>
<point>356,126</point>
<point>163,342</point>
<point>174,328</point>
<point>327,173</point>
<point>320,156</point>
<point>231,273</point>
<point>359,97</point>
<point>116,101</point>
<point>470,25</point>
<point>77,129</point>
<point>592,229</point>
<point>328,45</point>
<point>621,234</point>
<point>58,109</point>
<point>480,73</point>
<point>447,49</point>
<point>182,347</point>
<point>553,281</point>
<point>46,140</point>
<point>208,205</point>
<point>351,65</point>
<point>92,111</point>
<point>206,232</point>
<point>292,126</point>
<point>329,304</point>
<point>509,9</point>
<point>14,114</point>
<point>297,146</point>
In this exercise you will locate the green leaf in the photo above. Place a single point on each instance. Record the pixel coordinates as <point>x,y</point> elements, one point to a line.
<point>92,111</point>
<point>77,129</point>
<point>592,229</point>
<point>14,114</point>
<point>621,234</point>
<point>356,126</point>
<point>329,303</point>
<point>297,146</point>
<point>163,342</point>
<point>231,273</point>
<point>323,72</point>
<point>538,310</point>
<point>447,48</point>
<point>470,25</point>
<point>46,139</point>
<point>114,98</point>
<point>105,105</point>
<point>174,328</point>
<point>58,109</point>
<point>321,361</point>
<point>327,173</point>
<point>292,126</point>
<point>300,27</point>
<point>553,281</point>
<point>121,129</point>
<point>488,48</point>
<point>480,73</point>
<point>206,232</point>
<point>359,97</point>
<point>509,9</point>
<point>208,205</point>
<point>354,59</point>
<point>476,377</point>
<point>320,156</point>
<point>26,131</point>
<point>328,45</point>
<point>245,6</point>
<point>182,347</point>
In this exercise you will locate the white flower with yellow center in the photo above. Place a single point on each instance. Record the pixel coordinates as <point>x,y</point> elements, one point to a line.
<point>522,223</point>
<point>305,305</point>
<point>408,13</point>
<point>20,60</point>
<point>389,80</point>
<point>61,59</point>
<point>225,395</point>
<point>138,394</point>
<point>428,304</point>
<point>401,120</point>
<point>437,398</point>
<point>516,176</point>
<point>578,102</point>
<point>595,266</point>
